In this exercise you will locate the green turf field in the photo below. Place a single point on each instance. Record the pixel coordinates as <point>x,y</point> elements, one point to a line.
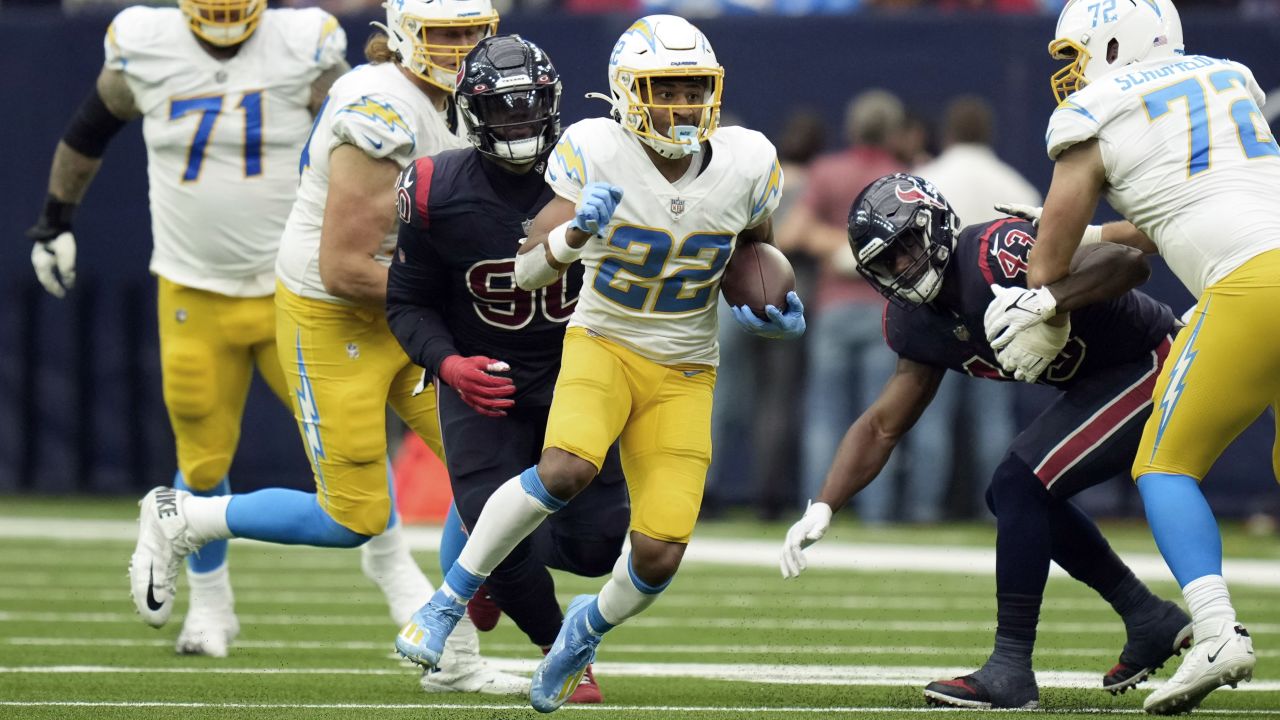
<point>725,641</point>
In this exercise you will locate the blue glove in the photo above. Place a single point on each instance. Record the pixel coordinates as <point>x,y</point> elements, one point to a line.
<point>596,206</point>
<point>780,325</point>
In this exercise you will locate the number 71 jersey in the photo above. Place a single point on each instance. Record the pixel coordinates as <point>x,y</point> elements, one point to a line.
<point>1188,156</point>
<point>652,279</point>
<point>223,138</point>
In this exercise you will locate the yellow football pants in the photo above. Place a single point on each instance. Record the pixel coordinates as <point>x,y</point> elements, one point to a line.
<point>1222,373</point>
<point>660,414</point>
<point>343,367</point>
<point>209,345</point>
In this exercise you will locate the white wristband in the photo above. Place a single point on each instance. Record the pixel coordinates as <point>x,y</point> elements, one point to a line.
<point>558,244</point>
<point>1092,235</point>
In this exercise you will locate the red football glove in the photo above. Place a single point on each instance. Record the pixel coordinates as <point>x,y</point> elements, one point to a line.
<point>486,394</point>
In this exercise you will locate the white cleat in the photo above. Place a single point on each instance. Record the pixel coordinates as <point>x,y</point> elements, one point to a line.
<point>211,625</point>
<point>208,634</point>
<point>386,561</point>
<point>463,670</point>
<point>157,558</point>
<point>1224,657</point>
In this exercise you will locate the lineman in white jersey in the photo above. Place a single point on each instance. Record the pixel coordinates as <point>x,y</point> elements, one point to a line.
<point>1180,147</point>
<point>226,91</point>
<point>341,362</point>
<point>653,200</point>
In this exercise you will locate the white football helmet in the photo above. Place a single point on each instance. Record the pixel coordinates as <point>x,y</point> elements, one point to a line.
<point>437,63</point>
<point>657,47</point>
<point>223,22</point>
<point>1099,38</point>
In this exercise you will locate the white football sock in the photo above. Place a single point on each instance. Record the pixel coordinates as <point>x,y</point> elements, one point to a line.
<point>206,518</point>
<point>1209,603</point>
<point>211,589</point>
<point>620,599</point>
<point>509,516</point>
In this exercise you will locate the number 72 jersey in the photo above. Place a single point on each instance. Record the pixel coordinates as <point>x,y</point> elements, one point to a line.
<point>1188,156</point>
<point>652,280</point>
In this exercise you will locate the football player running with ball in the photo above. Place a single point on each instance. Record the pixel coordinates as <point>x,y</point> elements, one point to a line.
<point>1179,145</point>
<point>227,90</point>
<point>653,201</point>
<point>453,304</point>
<point>939,279</point>
<point>343,366</point>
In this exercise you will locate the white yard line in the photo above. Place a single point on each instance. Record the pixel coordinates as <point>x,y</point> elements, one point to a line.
<point>871,675</point>
<point>722,551</point>
<point>493,649</point>
<point>744,623</point>
<point>874,710</point>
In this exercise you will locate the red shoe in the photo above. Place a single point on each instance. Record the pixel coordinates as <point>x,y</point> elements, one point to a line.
<point>483,611</point>
<point>587,692</point>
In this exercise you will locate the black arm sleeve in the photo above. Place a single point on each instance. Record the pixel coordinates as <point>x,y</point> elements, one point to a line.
<point>417,286</point>
<point>92,127</point>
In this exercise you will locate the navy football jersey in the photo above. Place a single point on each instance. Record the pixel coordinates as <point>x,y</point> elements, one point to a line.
<point>461,222</point>
<point>950,333</point>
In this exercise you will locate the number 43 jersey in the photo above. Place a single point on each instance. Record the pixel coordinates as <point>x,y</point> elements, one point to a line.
<point>1189,159</point>
<point>652,281</point>
<point>223,138</point>
<point>949,332</point>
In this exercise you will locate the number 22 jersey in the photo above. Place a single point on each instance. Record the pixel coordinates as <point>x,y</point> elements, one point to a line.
<point>652,283</point>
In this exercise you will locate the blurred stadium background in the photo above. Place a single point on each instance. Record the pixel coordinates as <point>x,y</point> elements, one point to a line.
<point>81,413</point>
<point>80,404</point>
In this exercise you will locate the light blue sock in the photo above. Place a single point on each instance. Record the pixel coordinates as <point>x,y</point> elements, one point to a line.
<point>288,517</point>
<point>452,540</point>
<point>394,517</point>
<point>1183,525</point>
<point>214,554</point>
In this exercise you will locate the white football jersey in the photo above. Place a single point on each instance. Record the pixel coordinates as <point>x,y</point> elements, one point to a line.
<point>1188,158</point>
<point>653,281</point>
<point>380,111</point>
<point>222,137</point>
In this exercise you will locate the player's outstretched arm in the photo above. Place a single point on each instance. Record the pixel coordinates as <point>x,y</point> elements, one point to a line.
<point>75,163</point>
<point>1099,273</point>
<point>320,86</point>
<point>863,452</point>
<point>360,210</point>
<point>1078,177</point>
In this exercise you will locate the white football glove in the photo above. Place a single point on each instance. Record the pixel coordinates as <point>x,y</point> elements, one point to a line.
<point>56,254</point>
<point>807,531</point>
<point>1014,310</point>
<point>1033,350</point>
<point>1030,213</point>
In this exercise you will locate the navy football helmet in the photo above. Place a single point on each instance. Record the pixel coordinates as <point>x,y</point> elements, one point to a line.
<point>903,232</point>
<point>508,95</point>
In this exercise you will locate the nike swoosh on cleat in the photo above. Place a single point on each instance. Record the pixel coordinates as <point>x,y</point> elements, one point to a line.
<point>152,603</point>
<point>1214,655</point>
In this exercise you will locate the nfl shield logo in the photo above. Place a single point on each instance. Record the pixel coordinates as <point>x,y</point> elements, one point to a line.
<point>677,206</point>
<point>525,225</point>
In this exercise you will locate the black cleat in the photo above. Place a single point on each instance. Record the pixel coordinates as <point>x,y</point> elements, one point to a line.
<point>971,692</point>
<point>1149,647</point>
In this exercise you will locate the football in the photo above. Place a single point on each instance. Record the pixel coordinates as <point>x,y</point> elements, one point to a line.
<point>758,275</point>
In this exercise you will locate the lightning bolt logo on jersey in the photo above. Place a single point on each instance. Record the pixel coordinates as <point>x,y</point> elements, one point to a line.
<point>653,278</point>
